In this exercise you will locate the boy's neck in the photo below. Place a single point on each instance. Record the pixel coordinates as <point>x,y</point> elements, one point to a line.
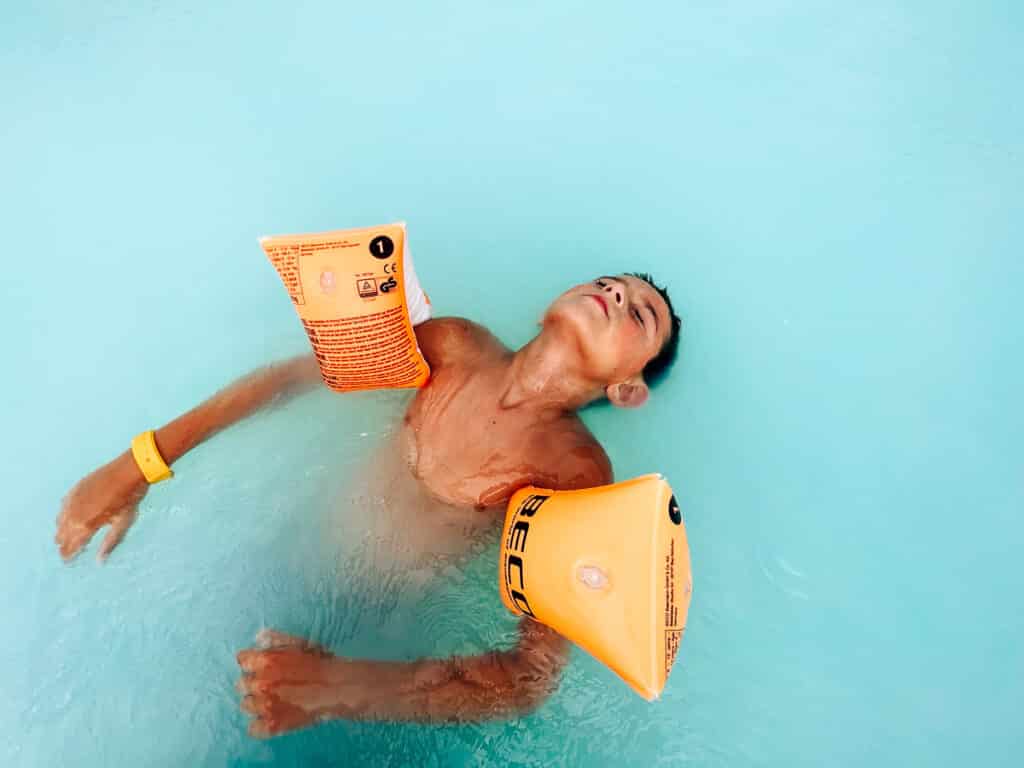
<point>544,376</point>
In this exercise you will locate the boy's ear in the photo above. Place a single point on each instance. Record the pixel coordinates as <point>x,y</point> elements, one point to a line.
<point>631,393</point>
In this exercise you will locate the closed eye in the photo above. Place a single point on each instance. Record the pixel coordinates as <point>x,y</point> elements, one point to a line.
<point>639,318</point>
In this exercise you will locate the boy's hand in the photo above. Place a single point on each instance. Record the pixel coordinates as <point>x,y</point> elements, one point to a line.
<point>289,683</point>
<point>109,496</point>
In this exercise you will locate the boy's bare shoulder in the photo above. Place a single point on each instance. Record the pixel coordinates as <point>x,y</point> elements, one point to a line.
<point>448,340</point>
<point>565,456</point>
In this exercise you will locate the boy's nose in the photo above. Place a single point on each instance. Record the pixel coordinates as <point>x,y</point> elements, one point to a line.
<point>615,289</point>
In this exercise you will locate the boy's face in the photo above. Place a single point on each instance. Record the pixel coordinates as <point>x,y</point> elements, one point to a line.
<point>619,323</point>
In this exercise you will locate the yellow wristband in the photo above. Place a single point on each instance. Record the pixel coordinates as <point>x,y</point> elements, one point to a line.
<point>148,457</point>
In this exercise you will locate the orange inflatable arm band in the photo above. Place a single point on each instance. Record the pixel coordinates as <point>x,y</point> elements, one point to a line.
<point>358,297</point>
<point>608,568</point>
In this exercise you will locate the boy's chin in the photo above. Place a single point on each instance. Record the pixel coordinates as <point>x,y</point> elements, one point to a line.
<point>584,337</point>
<point>573,327</point>
<point>587,322</point>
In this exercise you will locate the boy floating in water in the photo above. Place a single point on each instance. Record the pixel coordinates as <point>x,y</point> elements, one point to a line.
<point>488,422</point>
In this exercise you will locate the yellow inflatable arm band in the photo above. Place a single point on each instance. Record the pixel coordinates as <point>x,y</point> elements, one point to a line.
<point>608,568</point>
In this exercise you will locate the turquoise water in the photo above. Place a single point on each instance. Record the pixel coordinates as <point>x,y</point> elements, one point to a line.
<point>833,194</point>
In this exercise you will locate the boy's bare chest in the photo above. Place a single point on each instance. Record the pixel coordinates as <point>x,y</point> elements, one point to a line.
<point>466,450</point>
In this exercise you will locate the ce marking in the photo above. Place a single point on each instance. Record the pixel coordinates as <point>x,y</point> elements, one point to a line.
<point>391,268</point>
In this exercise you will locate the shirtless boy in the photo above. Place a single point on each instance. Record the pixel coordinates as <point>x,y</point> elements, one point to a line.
<point>488,422</point>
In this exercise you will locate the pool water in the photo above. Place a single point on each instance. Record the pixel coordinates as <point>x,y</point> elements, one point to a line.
<point>833,193</point>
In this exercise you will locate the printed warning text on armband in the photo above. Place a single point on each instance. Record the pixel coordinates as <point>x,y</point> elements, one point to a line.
<point>672,638</point>
<point>285,259</point>
<point>673,629</point>
<point>365,352</point>
<point>327,245</point>
<point>671,608</point>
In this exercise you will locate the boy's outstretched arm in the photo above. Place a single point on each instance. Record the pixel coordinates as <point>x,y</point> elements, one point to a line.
<point>111,494</point>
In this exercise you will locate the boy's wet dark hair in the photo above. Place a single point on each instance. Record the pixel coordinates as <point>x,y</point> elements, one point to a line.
<point>659,365</point>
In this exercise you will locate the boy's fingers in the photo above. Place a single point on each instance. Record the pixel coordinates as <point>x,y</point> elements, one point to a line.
<point>71,541</point>
<point>249,684</point>
<point>260,729</point>
<point>250,661</point>
<point>271,638</point>
<point>266,726</point>
<point>118,528</point>
<point>256,705</point>
<point>65,508</point>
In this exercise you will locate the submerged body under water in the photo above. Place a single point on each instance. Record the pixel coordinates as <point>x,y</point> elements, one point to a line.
<point>487,423</point>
